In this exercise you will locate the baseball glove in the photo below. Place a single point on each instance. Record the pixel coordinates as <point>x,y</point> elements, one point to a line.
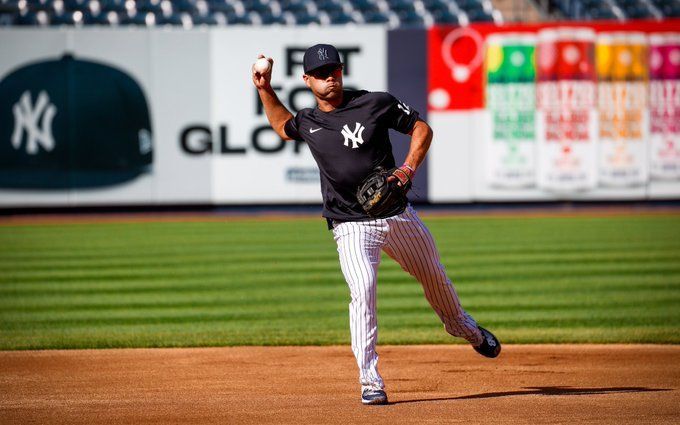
<point>380,198</point>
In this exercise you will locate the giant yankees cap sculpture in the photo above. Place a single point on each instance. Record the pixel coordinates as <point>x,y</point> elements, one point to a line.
<point>71,123</point>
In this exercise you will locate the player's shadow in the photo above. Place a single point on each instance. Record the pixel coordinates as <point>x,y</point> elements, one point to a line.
<point>545,391</point>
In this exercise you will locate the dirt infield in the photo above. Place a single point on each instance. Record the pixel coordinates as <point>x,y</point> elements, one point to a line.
<point>263,385</point>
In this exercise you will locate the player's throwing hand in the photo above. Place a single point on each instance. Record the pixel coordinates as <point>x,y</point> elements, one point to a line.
<point>261,75</point>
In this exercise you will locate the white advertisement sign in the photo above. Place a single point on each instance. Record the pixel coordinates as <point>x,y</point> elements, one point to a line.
<point>96,85</point>
<point>267,168</point>
<point>156,116</point>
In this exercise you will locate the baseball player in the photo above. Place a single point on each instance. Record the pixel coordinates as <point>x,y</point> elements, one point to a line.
<point>347,134</point>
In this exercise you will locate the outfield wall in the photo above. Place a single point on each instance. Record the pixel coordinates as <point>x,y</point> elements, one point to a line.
<point>169,116</point>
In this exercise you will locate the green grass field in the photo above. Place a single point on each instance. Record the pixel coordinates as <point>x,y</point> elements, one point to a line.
<point>531,280</point>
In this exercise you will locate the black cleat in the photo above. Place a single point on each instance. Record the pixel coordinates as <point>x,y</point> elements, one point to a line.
<point>371,396</point>
<point>490,346</point>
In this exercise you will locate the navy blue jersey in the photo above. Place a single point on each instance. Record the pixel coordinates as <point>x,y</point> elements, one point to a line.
<point>348,143</point>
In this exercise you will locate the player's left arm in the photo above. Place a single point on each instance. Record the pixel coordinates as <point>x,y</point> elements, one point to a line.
<point>421,138</point>
<point>401,117</point>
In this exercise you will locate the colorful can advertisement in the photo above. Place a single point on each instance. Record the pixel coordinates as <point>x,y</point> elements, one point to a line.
<point>511,108</point>
<point>622,70</point>
<point>664,106</point>
<point>566,124</point>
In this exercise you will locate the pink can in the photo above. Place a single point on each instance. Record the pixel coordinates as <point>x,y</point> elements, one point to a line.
<point>664,106</point>
<point>664,56</point>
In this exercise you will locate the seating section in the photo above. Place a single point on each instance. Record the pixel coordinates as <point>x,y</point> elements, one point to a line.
<point>617,9</point>
<point>190,13</point>
<point>393,13</point>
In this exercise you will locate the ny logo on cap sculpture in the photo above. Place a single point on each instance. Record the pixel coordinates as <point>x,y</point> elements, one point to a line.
<point>354,136</point>
<point>26,118</point>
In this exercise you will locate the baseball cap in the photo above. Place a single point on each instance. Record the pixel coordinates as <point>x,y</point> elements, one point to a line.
<point>71,123</point>
<point>320,55</point>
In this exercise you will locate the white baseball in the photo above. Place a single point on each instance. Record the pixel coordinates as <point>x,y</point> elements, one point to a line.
<point>262,66</point>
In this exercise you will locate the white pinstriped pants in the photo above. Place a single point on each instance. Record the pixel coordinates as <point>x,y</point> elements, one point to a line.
<point>406,239</point>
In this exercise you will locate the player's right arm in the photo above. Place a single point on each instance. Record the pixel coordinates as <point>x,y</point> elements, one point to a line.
<point>277,114</point>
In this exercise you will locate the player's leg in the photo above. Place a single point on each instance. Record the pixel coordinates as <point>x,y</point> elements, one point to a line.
<point>359,251</point>
<point>410,243</point>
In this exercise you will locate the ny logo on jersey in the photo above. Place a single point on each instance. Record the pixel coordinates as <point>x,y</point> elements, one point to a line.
<point>404,107</point>
<point>354,136</point>
<point>26,118</point>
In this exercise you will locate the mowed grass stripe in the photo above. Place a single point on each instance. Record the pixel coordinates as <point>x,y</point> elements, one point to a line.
<point>484,286</point>
<point>519,270</point>
<point>288,306</point>
<point>254,252</point>
<point>655,306</point>
<point>255,282</point>
<point>264,261</point>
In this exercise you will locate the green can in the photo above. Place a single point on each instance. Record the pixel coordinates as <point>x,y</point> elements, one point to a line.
<point>511,58</point>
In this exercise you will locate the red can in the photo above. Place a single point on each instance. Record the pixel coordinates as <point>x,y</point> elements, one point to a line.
<point>546,55</point>
<point>575,54</point>
<point>565,54</point>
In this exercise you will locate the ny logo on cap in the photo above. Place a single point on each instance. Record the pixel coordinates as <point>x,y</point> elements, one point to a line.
<point>323,54</point>
<point>354,136</point>
<point>26,118</point>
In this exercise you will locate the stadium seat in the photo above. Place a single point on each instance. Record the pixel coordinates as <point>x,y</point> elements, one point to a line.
<point>439,9</point>
<point>364,6</point>
<point>239,20</point>
<point>305,18</point>
<point>36,5</point>
<point>13,6</point>
<point>259,6</point>
<point>411,19</point>
<point>8,19</point>
<point>74,5</point>
<point>435,4</point>
<point>139,19</point>
<point>443,16</point>
<point>113,6</point>
<point>671,10</point>
<point>153,6</point>
<point>403,7</point>
<point>340,18</point>
<point>109,18</point>
<point>375,17</point>
<point>638,12</point>
<point>69,18</point>
<point>479,15</point>
<point>469,4</point>
<point>601,14</point>
<point>186,6</point>
<point>27,18</point>
<point>299,8</point>
<point>210,20</point>
<point>221,6</point>
<point>173,19</point>
<point>215,18</point>
<point>329,6</point>
<point>269,18</point>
